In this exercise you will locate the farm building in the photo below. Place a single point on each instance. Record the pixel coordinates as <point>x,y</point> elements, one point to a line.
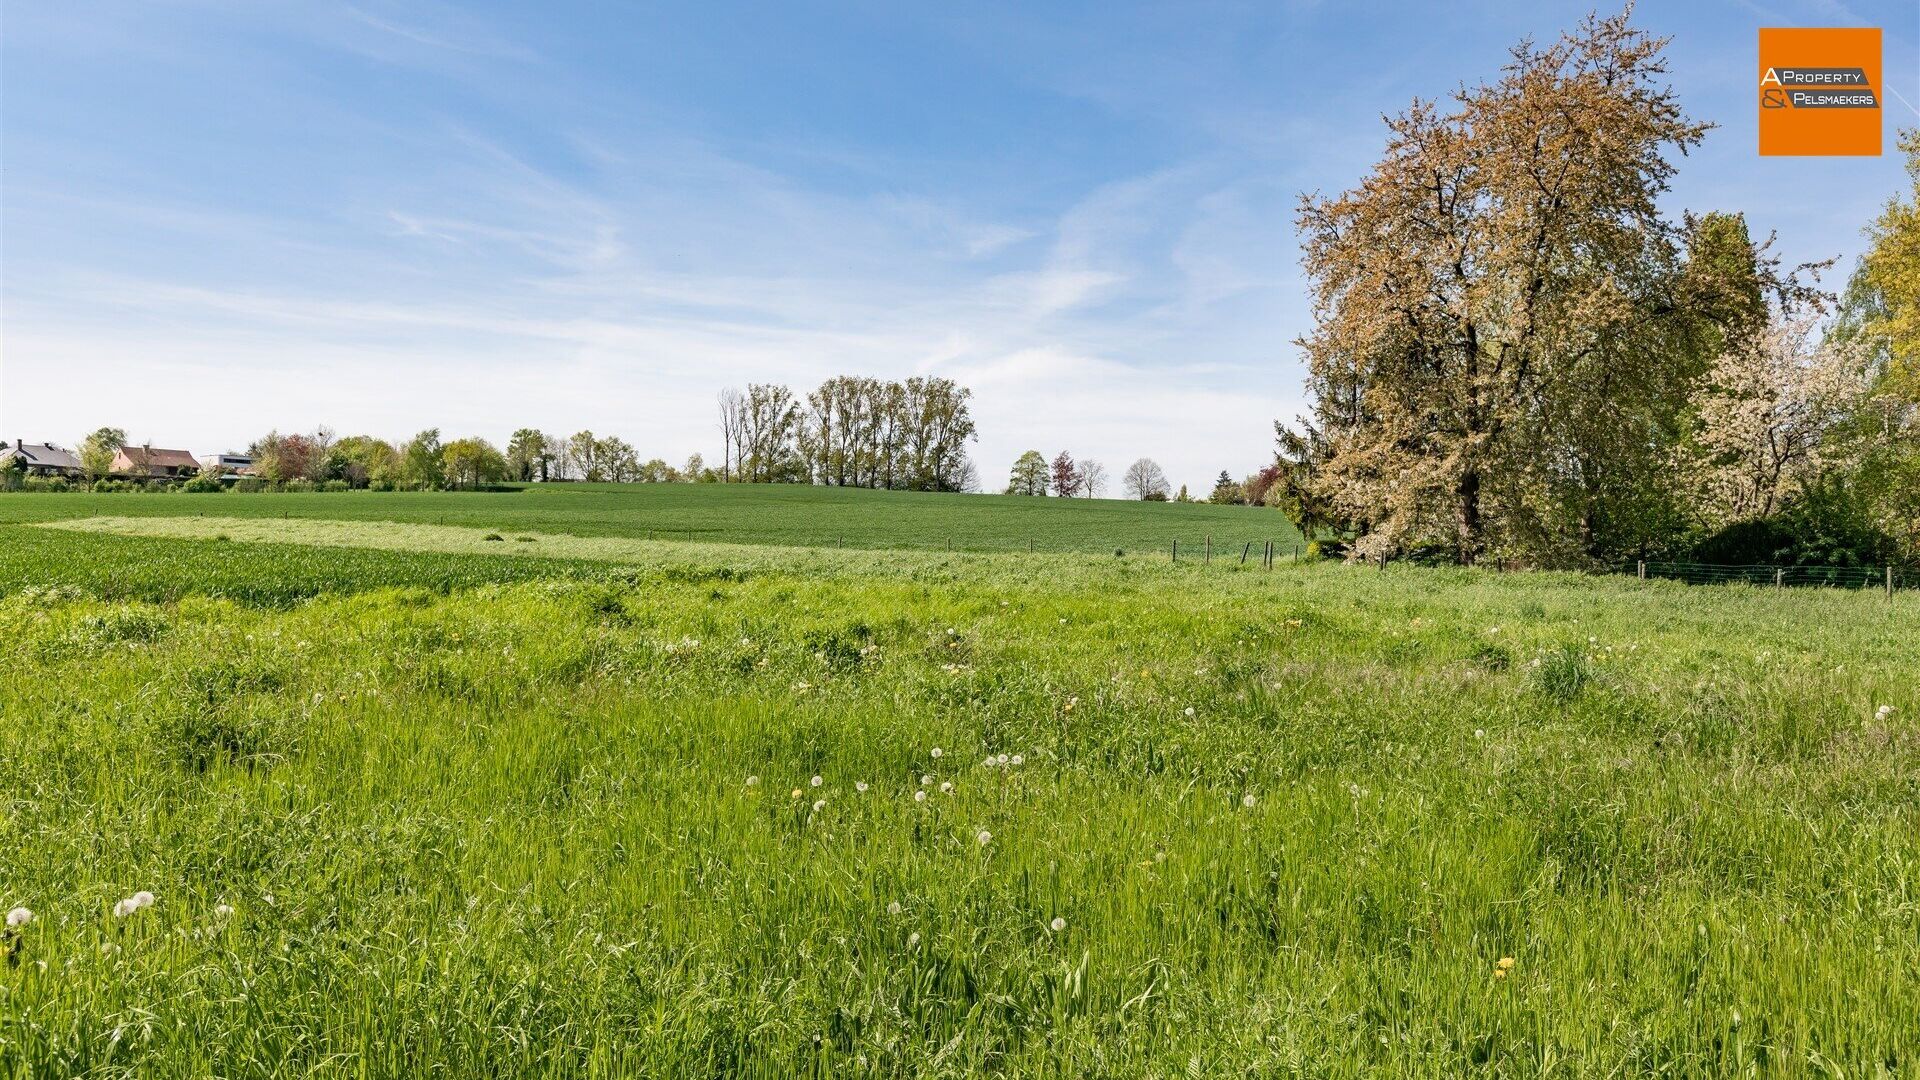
<point>236,464</point>
<point>148,461</point>
<point>40,459</point>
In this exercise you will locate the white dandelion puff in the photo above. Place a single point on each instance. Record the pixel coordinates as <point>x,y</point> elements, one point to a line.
<point>926,779</point>
<point>920,796</point>
<point>946,787</point>
<point>1189,710</point>
<point>19,917</point>
<point>125,908</point>
<point>143,898</point>
<point>819,805</point>
<point>753,781</point>
<point>1018,760</point>
<point>1884,711</point>
<point>860,786</point>
<point>913,939</point>
<point>1058,924</point>
<point>1004,759</point>
<point>985,838</point>
<point>936,753</point>
<point>1479,733</point>
<point>816,781</point>
<point>223,910</point>
<point>1248,800</point>
<point>893,908</point>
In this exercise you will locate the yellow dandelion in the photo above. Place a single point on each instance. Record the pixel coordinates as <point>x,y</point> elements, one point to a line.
<point>1499,973</point>
<point>1506,963</point>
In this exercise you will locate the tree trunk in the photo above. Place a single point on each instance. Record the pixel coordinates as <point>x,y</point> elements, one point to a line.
<point>1468,514</point>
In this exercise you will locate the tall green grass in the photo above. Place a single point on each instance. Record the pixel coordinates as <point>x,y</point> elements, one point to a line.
<point>1291,820</point>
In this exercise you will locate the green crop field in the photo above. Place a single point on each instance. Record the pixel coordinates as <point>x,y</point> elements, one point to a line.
<point>787,515</point>
<point>409,801</point>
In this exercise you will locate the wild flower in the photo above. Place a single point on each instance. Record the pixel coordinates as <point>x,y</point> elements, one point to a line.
<point>985,838</point>
<point>816,781</point>
<point>860,786</point>
<point>222,910</point>
<point>796,793</point>
<point>1479,733</point>
<point>1884,711</point>
<point>753,781</point>
<point>1002,759</point>
<point>819,805</point>
<point>935,753</point>
<point>1018,760</point>
<point>926,779</point>
<point>1057,925</point>
<point>913,939</point>
<point>1505,963</point>
<point>19,917</point>
<point>1189,710</point>
<point>946,787</point>
<point>893,908</point>
<point>990,762</point>
<point>920,796</point>
<point>1248,800</point>
<point>124,908</point>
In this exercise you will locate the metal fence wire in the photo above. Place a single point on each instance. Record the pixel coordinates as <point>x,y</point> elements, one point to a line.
<point>1833,577</point>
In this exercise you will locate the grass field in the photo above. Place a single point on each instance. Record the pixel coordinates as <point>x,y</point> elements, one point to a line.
<point>785,515</point>
<point>415,802</point>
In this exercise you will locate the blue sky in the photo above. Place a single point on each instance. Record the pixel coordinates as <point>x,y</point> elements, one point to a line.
<point>224,216</point>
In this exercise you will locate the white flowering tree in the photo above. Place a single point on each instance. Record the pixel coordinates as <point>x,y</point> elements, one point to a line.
<point>1766,415</point>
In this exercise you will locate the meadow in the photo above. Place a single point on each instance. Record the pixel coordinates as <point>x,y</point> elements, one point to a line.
<point>408,800</point>
<point>787,515</point>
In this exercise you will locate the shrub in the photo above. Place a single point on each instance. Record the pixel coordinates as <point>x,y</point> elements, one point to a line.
<point>296,486</point>
<point>250,484</point>
<point>1326,549</point>
<point>204,483</point>
<point>380,485</point>
<point>335,485</point>
<point>1828,527</point>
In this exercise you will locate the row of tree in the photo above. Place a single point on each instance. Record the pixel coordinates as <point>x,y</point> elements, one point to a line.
<point>427,462</point>
<point>850,432</point>
<point>1517,354</point>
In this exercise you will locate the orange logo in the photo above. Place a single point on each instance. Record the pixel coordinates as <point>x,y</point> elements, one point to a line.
<point>1819,92</point>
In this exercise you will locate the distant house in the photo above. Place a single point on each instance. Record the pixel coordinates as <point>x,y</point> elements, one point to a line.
<point>236,464</point>
<point>149,461</point>
<point>40,459</point>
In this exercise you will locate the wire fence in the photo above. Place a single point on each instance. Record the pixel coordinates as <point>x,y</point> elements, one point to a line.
<point>1888,578</point>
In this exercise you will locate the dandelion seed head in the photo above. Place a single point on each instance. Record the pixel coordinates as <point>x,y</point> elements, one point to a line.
<point>1248,800</point>
<point>860,786</point>
<point>819,805</point>
<point>125,908</point>
<point>1018,760</point>
<point>893,908</point>
<point>985,838</point>
<point>926,779</point>
<point>946,786</point>
<point>936,752</point>
<point>920,796</point>
<point>223,910</point>
<point>1189,710</point>
<point>19,917</point>
<point>753,781</point>
<point>816,782</point>
<point>913,939</point>
<point>1479,733</point>
<point>1058,924</point>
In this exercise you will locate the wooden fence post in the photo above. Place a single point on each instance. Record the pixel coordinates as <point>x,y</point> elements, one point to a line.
<point>1643,569</point>
<point>1889,581</point>
<point>1029,545</point>
<point>1244,551</point>
<point>1209,559</point>
<point>1176,551</point>
<point>1779,577</point>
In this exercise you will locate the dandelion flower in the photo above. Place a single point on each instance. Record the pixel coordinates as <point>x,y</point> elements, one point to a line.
<point>1248,800</point>
<point>946,787</point>
<point>860,786</point>
<point>1506,963</point>
<point>926,779</point>
<point>1884,711</point>
<point>819,805</point>
<point>125,908</point>
<point>1018,760</point>
<point>935,754</point>
<point>913,939</point>
<point>143,898</point>
<point>1189,710</point>
<point>1003,759</point>
<point>19,917</point>
<point>990,762</point>
<point>920,796</point>
<point>893,908</point>
<point>1479,733</point>
<point>985,838</point>
<point>1058,924</point>
<point>753,781</point>
<point>223,910</point>
<point>1499,973</point>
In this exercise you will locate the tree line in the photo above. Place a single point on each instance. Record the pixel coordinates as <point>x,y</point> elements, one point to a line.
<point>1517,354</point>
<point>851,431</point>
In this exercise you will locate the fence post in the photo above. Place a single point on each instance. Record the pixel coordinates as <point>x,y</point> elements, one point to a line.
<point>1889,581</point>
<point>1209,559</point>
<point>1244,551</point>
<point>1296,553</point>
<point>1176,551</point>
<point>1779,577</point>
<point>1643,569</point>
<point>1269,554</point>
